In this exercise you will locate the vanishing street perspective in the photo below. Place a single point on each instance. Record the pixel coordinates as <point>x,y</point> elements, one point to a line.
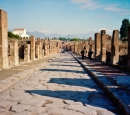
<point>49,72</point>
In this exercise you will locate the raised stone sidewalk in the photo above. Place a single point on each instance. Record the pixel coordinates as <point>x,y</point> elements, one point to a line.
<point>10,76</point>
<point>116,83</point>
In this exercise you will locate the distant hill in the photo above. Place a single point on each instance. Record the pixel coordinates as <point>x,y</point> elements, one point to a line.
<point>78,35</point>
<point>56,35</point>
<point>37,34</point>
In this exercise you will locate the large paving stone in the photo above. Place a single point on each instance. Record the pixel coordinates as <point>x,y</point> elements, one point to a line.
<point>70,102</point>
<point>59,111</point>
<point>4,97</point>
<point>25,113</point>
<point>6,104</point>
<point>37,110</point>
<point>2,109</point>
<point>19,107</point>
<point>19,97</point>
<point>7,113</point>
<point>55,105</point>
<point>103,111</point>
<point>82,109</point>
<point>32,102</point>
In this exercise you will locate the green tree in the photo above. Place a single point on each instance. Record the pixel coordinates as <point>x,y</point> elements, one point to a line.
<point>10,34</point>
<point>75,39</point>
<point>124,28</point>
<point>13,36</point>
<point>63,39</point>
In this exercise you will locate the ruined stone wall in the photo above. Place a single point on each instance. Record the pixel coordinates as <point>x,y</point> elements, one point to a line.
<point>108,49</point>
<point>20,51</point>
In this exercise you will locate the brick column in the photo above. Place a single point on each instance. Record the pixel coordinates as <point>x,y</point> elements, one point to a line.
<point>4,62</point>
<point>128,64</point>
<point>97,46</point>
<point>13,57</point>
<point>103,46</point>
<point>115,47</point>
<point>32,46</point>
<point>27,52</point>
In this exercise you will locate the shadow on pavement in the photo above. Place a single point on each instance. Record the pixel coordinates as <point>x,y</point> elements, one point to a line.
<point>61,70</point>
<point>92,98</point>
<point>89,83</point>
<point>64,65</point>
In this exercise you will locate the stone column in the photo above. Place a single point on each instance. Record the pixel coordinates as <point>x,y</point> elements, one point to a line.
<point>32,46</point>
<point>45,49</point>
<point>4,62</point>
<point>37,52</point>
<point>90,43</point>
<point>103,46</point>
<point>50,51</point>
<point>97,46</point>
<point>27,52</point>
<point>40,47</point>
<point>93,49</point>
<point>13,57</point>
<point>115,47</point>
<point>128,64</point>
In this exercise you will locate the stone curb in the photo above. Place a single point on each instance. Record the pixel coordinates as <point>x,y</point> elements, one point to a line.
<point>6,83</point>
<point>108,86</point>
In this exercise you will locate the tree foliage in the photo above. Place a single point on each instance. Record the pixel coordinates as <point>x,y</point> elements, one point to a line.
<point>13,36</point>
<point>124,28</point>
<point>71,39</point>
<point>63,39</point>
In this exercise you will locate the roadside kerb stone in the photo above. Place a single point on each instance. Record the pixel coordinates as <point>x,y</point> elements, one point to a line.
<point>6,83</point>
<point>106,84</point>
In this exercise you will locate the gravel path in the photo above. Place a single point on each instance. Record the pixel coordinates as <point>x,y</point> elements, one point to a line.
<point>61,88</point>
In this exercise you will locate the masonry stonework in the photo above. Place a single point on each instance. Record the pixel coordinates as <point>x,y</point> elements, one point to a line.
<point>97,46</point>
<point>103,46</point>
<point>128,63</point>
<point>115,47</point>
<point>32,46</point>
<point>4,63</point>
<point>13,53</point>
<point>27,52</point>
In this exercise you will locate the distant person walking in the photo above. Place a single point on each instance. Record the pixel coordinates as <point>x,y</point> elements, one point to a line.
<point>82,54</point>
<point>90,54</point>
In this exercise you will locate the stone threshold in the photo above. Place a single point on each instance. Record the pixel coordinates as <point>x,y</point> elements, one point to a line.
<point>118,94</point>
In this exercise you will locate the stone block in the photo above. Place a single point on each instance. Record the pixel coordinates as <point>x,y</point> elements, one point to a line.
<point>3,40</point>
<point>115,47</point>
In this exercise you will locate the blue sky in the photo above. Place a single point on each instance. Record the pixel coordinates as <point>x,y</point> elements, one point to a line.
<point>66,16</point>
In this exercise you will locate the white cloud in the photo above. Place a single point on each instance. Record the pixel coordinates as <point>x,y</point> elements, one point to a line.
<point>126,13</point>
<point>114,8</point>
<point>91,4</point>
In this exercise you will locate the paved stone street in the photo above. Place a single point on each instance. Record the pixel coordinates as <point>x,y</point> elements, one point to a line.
<point>61,88</point>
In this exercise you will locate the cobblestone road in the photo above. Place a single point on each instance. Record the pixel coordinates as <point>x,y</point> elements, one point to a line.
<point>61,88</point>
